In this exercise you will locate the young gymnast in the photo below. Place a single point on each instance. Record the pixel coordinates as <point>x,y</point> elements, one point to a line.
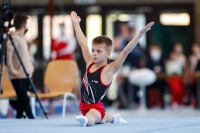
<point>99,74</point>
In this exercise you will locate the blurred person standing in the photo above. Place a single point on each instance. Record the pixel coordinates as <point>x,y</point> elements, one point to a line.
<point>122,35</point>
<point>127,32</point>
<point>156,62</point>
<point>64,46</point>
<point>194,57</point>
<point>14,68</point>
<point>194,61</point>
<point>174,67</point>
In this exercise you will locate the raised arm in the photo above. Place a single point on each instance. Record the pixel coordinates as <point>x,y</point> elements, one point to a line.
<point>115,66</point>
<point>81,38</point>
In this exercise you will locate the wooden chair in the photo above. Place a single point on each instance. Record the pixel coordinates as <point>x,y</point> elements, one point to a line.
<point>60,78</point>
<point>8,90</point>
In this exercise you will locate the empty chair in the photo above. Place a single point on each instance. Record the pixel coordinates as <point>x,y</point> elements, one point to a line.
<point>60,78</point>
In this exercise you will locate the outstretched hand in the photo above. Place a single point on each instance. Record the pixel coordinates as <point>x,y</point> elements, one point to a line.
<point>147,28</point>
<point>75,18</point>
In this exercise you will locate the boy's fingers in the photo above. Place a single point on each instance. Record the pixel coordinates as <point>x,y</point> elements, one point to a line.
<point>74,15</point>
<point>150,24</point>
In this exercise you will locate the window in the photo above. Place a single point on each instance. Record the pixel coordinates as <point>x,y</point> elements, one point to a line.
<point>176,19</point>
<point>93,27</point>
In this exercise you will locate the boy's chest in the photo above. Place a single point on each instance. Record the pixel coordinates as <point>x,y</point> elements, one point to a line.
<point>94,78</point>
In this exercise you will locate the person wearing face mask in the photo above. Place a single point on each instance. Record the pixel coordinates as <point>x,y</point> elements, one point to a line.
<point>64,46</point>
<point>14,68</point>
<point>155,61</point>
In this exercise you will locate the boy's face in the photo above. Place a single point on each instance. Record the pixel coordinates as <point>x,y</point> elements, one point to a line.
<point>99,52</point>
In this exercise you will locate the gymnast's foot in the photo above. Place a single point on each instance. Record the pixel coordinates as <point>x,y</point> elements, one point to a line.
<point>82,120</point>
<point>118,119</point>
<point>122,121</point>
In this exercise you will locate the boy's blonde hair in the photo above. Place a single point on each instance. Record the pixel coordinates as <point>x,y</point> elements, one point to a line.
<point>103,40</point>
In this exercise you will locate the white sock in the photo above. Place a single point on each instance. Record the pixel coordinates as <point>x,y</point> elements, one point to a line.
<point>117,118</point>
<point>122,121</point>
<point>82,120</point>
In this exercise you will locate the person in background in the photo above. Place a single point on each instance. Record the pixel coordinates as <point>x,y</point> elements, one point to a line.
<point>14,68</point>
<point>180,57</point>
<point>64,46</point>
<point>173,67</point>
<point>127,32</point>
<point>194,62</point>
<point>155,61</point>
<point>122,35</point>
<point>194,57</point>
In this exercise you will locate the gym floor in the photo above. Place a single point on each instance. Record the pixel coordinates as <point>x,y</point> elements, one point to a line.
<point>139,121</point>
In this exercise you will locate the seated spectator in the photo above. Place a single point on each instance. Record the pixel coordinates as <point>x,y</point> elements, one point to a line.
<point>180,57</point>
<point>194,57</point>
<point>156,62</point>
<point>194,62</point>
<point>174,66</point>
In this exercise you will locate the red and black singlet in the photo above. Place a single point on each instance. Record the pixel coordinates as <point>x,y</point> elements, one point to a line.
<point>92,89</point>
